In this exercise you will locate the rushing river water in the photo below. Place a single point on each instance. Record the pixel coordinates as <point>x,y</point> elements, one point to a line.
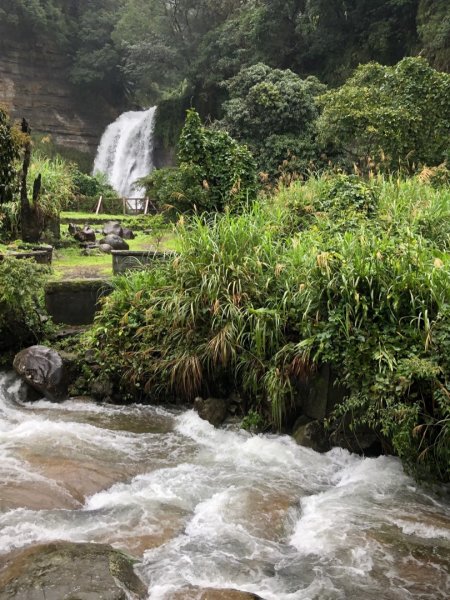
<point>208,508</point>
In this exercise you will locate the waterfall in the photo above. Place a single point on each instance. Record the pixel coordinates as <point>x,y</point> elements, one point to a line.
<point>125,152</point>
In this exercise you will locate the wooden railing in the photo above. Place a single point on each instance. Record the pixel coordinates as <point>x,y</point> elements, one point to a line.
<point>141,205</point>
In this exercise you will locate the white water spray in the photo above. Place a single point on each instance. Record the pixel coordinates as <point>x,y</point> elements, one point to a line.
<point>125,152</point>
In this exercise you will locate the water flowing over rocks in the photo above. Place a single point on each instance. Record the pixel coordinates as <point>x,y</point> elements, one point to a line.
<point>215,513</point>
<point>211,594</point>
<point>66,570</point>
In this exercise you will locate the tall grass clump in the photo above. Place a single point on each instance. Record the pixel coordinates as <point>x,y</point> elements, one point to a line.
<point>338,270</point>
<point>57,183</point>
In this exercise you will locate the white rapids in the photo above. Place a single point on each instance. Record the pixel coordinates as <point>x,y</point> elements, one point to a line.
<point>204,508</point>
<point>125,152</point>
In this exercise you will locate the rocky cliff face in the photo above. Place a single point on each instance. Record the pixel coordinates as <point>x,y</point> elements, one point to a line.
<point>34,84</point>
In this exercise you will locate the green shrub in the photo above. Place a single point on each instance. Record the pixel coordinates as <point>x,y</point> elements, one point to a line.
<point>9,221</point>
<point>21,302</point>
<point>390,118</point>
<point>214,172</point>
<point>87,191</point>
<point>57,183</point>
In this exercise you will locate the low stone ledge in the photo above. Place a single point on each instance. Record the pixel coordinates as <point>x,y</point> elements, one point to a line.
<point>129,260</point>
<point>42,255</point>
<point>75,302</point>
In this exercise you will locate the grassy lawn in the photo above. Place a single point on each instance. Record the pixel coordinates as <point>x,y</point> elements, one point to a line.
<point>71,263</point>
<point>91,217</point>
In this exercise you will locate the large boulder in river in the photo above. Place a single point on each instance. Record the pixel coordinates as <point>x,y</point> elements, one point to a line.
<point>311,434</point>
<point>113,227</point>
<point>213,410</point>
<point>74,571</point>
<point>44,369</point>
<point>115,241</point>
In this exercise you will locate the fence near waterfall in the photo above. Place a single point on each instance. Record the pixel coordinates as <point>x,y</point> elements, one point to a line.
<point>132,205</point>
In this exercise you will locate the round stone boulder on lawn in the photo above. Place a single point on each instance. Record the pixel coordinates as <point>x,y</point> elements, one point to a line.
<point>115,241</point>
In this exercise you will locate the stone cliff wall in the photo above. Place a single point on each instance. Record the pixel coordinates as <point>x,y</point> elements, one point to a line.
<point>34,83</point>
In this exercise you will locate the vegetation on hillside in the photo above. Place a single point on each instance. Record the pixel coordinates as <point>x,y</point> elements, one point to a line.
<point>150,47</point>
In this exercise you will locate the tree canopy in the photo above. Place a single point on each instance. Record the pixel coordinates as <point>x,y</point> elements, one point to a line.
<point>396,115</point>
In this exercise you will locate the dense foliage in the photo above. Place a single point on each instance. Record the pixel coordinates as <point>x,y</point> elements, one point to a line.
<point>339,271</point>
<point>275,113</point>
<point>9,153</point>
<point>392,116</point>
<point>21,290</point>
<point>214,171</point>
<point>150,47</point>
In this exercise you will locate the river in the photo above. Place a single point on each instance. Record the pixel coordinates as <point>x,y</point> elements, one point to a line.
<point>211,508</point>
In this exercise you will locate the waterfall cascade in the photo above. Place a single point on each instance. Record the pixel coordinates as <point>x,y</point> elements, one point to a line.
<point>125,152</point>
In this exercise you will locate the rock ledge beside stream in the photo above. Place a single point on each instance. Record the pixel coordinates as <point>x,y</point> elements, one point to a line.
<point>65,570</point>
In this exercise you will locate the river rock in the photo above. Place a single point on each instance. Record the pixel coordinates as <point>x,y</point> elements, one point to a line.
<point>311,434</point>
<point>213,410</point>
<point>359,440</point>
<point>113,227</point>
<point>115,241</point>
<point>101,387</point>
<point>73,571</point>
<point>43,369</point>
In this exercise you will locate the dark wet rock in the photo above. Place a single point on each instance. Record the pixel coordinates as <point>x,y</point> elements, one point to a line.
<point>213,410</point>
<point>72,228</point>
<point>101,387</point>
<point>44,369</point>
<point>359,440</point>
<point>311,434</point>
<point>127,234</point>
<point>113,227</point>
<point>105,248</point>
<point>115,241</point>
<point>64,570</point>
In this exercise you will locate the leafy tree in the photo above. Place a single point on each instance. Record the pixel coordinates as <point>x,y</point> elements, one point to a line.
<point>39,17</point>
<point>214,171</point>
<point>334,36</point>
<point>274,111</point>
<point>97,59</point>
<point>161,39</point>
<point>9,153</point>
<point>397,116</point>
<point>433,20</point>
